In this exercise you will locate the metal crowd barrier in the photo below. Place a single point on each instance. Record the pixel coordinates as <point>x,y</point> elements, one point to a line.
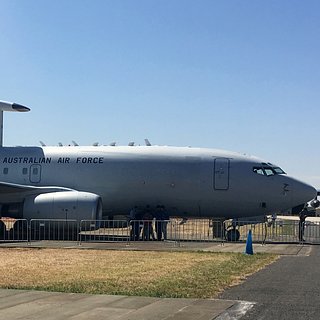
<point>146,230</point>
<point>202,230</point>
<point>13,230</point>
<point>312,232</point>
<point>104,230</point>
<point>142,230</point>
<point>269,231</point>
<point>46,229</point>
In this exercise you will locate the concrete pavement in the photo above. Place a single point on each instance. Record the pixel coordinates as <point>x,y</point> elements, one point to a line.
<point>280,248</point>
<point>20,304</point>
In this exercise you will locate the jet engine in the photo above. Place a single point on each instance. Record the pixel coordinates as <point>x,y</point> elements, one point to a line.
<point>66,205</point>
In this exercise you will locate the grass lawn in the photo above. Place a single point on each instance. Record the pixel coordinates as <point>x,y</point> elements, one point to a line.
<point>145,273</point>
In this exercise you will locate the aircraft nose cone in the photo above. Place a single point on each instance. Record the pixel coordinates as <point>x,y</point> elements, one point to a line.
<point>303,192</point>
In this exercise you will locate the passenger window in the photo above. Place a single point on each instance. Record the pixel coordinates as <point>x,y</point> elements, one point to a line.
<point>5,170</point>
<point>24,171</point>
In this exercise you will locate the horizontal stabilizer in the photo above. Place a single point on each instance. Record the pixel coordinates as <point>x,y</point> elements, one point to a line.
<point>9,106</point>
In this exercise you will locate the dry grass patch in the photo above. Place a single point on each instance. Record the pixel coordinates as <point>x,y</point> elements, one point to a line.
<point>163,274</point>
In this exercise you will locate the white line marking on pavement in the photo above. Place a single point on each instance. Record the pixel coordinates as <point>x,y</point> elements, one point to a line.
<point>236,311</point>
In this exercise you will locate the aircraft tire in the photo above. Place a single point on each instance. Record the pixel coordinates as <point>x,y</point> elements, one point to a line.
<point>233,235</point>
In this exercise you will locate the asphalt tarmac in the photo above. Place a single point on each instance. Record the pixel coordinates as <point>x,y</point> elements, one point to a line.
<point>287,289</point>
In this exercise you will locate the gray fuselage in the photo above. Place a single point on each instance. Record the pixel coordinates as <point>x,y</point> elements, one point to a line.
<point>190,182</point>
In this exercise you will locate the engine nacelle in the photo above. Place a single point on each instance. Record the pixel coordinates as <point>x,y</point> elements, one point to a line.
<point>66,205</point>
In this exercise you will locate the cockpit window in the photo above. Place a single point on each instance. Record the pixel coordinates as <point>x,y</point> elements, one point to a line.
<point>267,169</point>
<point>278,170</point>
<point>258,170</point>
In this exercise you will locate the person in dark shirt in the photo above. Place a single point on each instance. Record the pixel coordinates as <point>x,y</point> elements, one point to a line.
<point>302,215</point>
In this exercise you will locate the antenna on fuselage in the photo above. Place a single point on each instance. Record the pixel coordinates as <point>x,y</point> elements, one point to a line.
<point>147,142</point>
<point>9,106</point>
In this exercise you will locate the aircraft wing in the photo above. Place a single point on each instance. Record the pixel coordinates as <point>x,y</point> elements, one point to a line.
<point>12,192</point>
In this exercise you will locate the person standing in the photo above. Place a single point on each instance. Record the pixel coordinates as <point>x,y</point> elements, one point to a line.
<point>302,216</point>
<point>158,223</point>
<point>134,218</point>
<point>147,232</point>
<point>164,222</point>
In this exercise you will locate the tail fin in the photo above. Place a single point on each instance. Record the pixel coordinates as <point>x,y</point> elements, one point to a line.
<point>8,106</point>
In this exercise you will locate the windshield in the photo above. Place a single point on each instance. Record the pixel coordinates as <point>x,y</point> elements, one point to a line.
<point>267,169</point>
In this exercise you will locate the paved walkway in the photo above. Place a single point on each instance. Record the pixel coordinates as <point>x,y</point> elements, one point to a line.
<point>19,304</point>
<point>282,249</point>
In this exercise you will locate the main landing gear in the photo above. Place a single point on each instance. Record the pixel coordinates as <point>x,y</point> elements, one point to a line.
<point>225,229</point>
<point>232,234</point>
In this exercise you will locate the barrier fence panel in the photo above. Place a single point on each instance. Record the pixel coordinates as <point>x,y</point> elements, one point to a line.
<point>146,230</point>
<point>58,230</point>
<point>104,230</point>
<point>185,230</point>
<point>240,233</point>
<point>283,231</point>
<point>176,230</point>
<point>142,230</point>
<point>13,230</point>
<point>195,230</point>
<point>123,230</point>
<point>201,230</point>
<point>312,232</point>
<point>269,231</point>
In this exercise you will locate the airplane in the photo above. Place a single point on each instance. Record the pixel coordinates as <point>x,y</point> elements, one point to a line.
<point>92,182</point>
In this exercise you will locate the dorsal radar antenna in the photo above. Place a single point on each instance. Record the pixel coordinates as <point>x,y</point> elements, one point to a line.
<point>9,106</point>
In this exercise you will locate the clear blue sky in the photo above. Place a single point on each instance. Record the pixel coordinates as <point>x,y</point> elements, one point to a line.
<point>236,75</point>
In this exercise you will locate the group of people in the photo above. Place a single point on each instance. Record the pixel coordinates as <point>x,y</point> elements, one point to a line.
<point>148,224</point>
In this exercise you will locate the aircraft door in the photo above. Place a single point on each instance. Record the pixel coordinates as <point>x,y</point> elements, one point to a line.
<point>221,174</point>
<point>35,173</point>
